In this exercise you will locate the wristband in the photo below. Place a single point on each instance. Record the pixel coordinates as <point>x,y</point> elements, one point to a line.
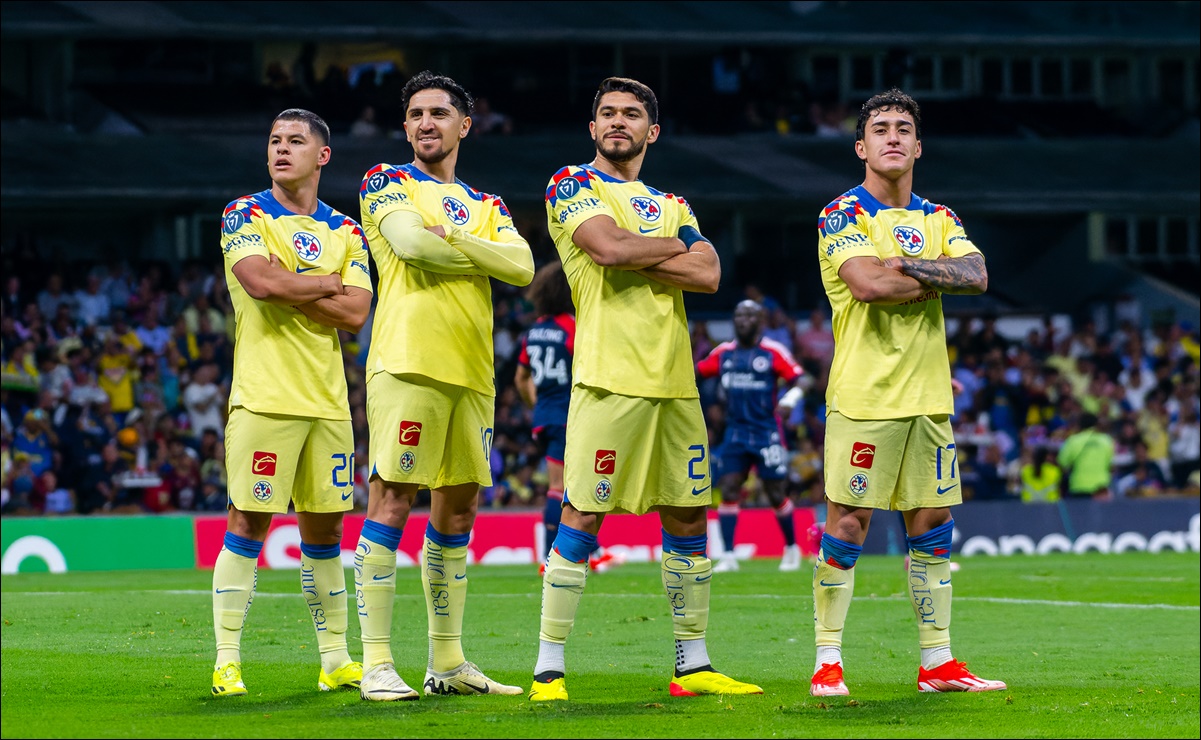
<point>689,235</point>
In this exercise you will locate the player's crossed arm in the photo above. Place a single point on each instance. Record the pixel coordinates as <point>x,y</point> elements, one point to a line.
<point>609,245</point>
<point>871,280</point>
<point>965,275</point>
<point>264,279</point>
<point>346,310</point>
<point>697,271</point>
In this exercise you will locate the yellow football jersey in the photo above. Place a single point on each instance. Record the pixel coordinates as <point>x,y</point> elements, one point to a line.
<point>631,331</point>
<point>284,362</point>
<point>890,362</point>
<point>431,323</point>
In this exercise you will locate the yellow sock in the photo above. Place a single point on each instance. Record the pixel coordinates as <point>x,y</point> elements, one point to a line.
<point>375,592</point>
<point>832,591</point>
<point>930,596</point>
<point>234,579</point>
<point>323,583</point>
<point>444,574</point>
<point>562,587</point>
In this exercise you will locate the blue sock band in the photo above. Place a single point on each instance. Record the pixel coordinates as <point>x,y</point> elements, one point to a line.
<point>446,540</point>
<point>935,543</point>
<point>321,552</point>
<point>685,545</point>
<point>574,545</point>
<point>840,554</point>
<point>382,534</point>
<point>242,546</point>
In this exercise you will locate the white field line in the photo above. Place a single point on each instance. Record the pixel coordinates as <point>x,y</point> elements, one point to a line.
<point>983,599</point>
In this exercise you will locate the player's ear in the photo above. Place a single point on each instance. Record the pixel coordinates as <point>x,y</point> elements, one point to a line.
<point>860,149</point>
<point>653,135</point>
<point>917,150</point>
<point>324,155</point>
<point>465,127</point>
<point>592,129</point>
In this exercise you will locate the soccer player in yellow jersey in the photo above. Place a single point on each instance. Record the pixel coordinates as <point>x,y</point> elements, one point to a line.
<point>297,272</point>
<point>636,438</point>
<point>887,257</point>
<point>430,397</point>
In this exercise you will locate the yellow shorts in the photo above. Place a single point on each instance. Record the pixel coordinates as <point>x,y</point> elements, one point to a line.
<point>899,464</point>
<point>272,459</point>
<point>626,453</point>
<point>427,432</point>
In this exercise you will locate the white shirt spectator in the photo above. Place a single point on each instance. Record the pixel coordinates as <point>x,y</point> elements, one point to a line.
<point>204,402</point>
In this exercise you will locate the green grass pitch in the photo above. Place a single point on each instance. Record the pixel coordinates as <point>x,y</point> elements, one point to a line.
<point>1090,645</point>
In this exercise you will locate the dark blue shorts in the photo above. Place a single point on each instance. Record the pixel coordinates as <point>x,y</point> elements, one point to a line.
<point>766,453</point>
<point>552,440</point>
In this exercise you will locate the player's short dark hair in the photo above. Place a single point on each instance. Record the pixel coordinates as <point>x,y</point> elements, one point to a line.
<point>645,95</point>
<point>549,291</point>
<point>427,80</point>
<point>893,99</point>
<point>317,127</point>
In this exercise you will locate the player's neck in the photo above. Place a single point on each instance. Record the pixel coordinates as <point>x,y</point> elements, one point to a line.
<point>442,171</point>
<point>893,193</point>
<point>298,198</point>
<point>627,170</point>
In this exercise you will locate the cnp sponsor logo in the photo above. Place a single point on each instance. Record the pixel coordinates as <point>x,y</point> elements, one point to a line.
<point>307,246</point>
<point>455,210</point>
<point>263,463</point>
<point>239,241</point>
<point>646,208</point>
<point>863,455</point>
<point>606,462</point>
<point>386,199</point>
<point>410,433</point>
<point>579,205</point>
<point>910,239</point>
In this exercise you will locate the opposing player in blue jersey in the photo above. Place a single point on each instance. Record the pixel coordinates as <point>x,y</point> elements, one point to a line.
<point>751,369</point>
<point>297,273</point>
<point>543,379</point>
<point>887,257</point>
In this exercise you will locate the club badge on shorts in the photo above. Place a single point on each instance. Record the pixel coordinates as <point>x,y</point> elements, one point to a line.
<point>262,491</point>
<point>407,461</point>
<point>604,489</point>
<point>858,484</point>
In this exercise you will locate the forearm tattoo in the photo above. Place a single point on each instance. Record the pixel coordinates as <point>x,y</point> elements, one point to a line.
<point>956,276</point>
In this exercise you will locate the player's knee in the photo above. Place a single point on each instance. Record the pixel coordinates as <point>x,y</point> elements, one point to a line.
<point>934,545</point>
<point>251,525</point>
<point>839,553</point>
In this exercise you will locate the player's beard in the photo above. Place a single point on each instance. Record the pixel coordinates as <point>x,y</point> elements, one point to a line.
<point>432,157</point>
<point>614,153</point>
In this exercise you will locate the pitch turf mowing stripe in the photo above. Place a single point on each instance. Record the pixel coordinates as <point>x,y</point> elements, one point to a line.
<point>986,599</point>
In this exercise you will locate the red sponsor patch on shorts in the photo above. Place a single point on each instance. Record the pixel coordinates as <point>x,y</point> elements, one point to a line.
<point>863,455</point>
<point>606,462</point>
<point>410,433</point>
<point>263,463</point>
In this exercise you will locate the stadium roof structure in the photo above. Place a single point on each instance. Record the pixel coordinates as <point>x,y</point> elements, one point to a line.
<point>43,165</point>
<point>920,24</point>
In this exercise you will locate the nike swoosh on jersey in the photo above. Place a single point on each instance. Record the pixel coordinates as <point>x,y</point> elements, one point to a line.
<point>699,491</point>
<point>301,270</point>
<point>840,583</point>
<point>227,590</point>
<point>942,490</point>
<point>647,231</point>
<point>337,593</point>
<point>380,578</point>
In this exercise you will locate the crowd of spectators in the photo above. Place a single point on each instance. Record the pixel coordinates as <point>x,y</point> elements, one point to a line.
<point>116,380</point>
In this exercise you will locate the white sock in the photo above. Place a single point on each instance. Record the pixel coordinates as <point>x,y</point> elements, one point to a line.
<point>827,654</point>
<point>690,655</point>
<point>550,658</point>
<point>936,656</point>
